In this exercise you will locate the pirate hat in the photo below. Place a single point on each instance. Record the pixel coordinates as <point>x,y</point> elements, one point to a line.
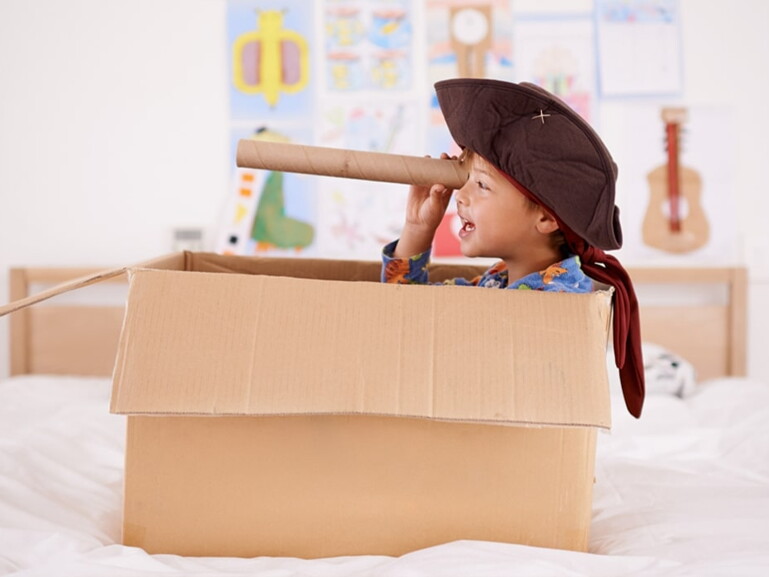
<point>543,146</point>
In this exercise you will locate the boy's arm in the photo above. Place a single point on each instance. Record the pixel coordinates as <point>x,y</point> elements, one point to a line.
<point>425,208</point>
<point>410,270</point>
<point>413,270</point>
<point>415,240</point>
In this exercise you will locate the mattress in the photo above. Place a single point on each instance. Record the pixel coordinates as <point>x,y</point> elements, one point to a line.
<point>682,491</point>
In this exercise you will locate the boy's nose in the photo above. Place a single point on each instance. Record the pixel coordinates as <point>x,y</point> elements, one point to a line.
<point>460,196</point>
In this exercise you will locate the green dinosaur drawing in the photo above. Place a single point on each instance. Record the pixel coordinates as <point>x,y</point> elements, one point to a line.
<point>272,228</point>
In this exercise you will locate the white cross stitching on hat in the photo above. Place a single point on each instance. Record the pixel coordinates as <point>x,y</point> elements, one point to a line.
<point>541,116</point>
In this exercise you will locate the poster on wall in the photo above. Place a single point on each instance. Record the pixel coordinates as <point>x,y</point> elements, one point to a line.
<point>357,218</point>
<point>270,66</point>
<point>468,38</point>
<point>271,90</point>
<point>369,45</point>
<point>558,54</point>
<point>269,212</point>
<point>639,47</point>
<point>675,185</point>
<point>366,102</point>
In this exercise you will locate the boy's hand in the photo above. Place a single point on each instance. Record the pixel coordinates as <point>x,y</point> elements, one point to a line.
<point>424,211</point>
<point>426,206</point>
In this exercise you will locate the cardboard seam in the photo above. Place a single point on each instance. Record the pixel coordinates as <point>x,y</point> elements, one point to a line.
<point>401,348</point>
<point>433,361</point>
<point>259,298</point>
<point>123,343</point>
<point>469,421</point>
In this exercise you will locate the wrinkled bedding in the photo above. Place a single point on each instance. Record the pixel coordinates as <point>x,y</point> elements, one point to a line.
<point>682,491</point>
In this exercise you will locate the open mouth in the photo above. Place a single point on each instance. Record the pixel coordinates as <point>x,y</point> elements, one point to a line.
<point>467,228</point>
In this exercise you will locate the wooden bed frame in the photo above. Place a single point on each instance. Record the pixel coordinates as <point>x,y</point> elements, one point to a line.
<point>81,339</point>
<point>60,337</point>
<point>700,313</point>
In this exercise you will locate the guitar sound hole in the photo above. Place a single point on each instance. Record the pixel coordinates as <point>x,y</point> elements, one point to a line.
<point>683,208</point>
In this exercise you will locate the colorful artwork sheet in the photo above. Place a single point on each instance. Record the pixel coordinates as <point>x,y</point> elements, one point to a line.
<point>558,54</point>
<point>639,47</point>
<point>270,46</point>
<point>369,45</point>
<point>268,212</point>
<point>272,96</point>
<point>358,217</point>
<point>468,38</point>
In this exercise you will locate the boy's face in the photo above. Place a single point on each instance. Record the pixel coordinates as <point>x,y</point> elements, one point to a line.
<point>498,221</point>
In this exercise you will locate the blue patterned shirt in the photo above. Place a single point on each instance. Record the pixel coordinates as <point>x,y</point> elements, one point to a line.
<point>562,276</point>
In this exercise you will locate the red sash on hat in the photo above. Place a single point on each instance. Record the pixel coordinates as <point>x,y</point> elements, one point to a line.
<point>607,269</point>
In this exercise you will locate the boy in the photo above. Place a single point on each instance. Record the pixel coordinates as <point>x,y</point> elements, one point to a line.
<point>498,221</point>
<point>539,197</point>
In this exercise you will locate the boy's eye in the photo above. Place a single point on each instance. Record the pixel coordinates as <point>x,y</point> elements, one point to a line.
<point>481,185</point>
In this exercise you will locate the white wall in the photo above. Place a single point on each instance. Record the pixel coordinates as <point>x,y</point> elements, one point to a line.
<point>726,55</point>
<point>114,129</point>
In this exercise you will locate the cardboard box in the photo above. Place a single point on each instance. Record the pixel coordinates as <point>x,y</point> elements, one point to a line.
<point>277,408</point>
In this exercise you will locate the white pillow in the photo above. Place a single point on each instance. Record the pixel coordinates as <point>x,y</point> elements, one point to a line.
<point>666,372</point>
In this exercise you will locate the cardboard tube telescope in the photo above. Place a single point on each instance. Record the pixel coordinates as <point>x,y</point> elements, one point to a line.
<point>357,164</point>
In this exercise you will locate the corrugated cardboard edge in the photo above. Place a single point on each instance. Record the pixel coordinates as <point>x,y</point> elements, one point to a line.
<point>166,261</point>
<point>62,288</point>
<point>604,425</point>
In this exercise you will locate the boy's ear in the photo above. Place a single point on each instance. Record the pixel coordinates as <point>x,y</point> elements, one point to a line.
<point>546,223</point>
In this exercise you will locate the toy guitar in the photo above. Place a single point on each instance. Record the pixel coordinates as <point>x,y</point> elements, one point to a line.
<point>674,219</point>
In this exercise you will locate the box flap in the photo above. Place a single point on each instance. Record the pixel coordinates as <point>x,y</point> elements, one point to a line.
<point>62,288</point>
<point>173,261</point>
<point>246,344</point>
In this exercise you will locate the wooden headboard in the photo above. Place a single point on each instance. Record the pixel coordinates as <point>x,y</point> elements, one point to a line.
<point>64,336</point>
<point>700,313</point>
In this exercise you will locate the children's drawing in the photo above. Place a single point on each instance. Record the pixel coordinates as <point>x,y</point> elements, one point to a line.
<point>368,45</point>
<point>357,218</point>
<point>675,220</point>
<point>639,47</point>
<point>270,59</point>
<point>344,26</point>
<point>270,44</point>
<point>371,127</point>
<point>559,56</point>
<point>273,228</point>
<point>468,38</point>
<point>270,212</point>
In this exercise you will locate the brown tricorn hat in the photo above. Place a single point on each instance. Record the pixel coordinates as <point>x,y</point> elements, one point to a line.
<point>554,156</point>
<point>543,145</point>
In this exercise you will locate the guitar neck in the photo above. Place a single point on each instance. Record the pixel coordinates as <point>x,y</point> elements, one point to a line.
<point>674,179</point>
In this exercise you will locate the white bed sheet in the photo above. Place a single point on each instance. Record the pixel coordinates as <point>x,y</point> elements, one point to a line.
<point>683,491</point>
